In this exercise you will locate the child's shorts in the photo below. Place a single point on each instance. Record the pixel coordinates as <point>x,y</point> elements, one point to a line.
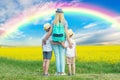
<point>47,54</point>
<point>70,60</point>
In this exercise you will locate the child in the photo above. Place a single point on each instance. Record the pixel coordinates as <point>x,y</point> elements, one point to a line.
<point>47,51</point>
<point>70,54</point>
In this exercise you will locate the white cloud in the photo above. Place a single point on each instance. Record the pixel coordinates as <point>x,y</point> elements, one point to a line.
<point>11,8</point>
<point>28,3</point>
<point>16,35</point>
<point>105,36</point>
<point>25,3</point>
<point>2,11</point>
<point>26,42</point>
<point>90,25</point>
<point>30,38</point>
<point>32,41</point>
<point>2,28</point>
<point>43,21</point>
<point>8,9</point>
<point>117,22</point>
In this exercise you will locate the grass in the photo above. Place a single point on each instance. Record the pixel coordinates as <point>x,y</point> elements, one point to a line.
<point>92,63</point>
<point>32,70</point>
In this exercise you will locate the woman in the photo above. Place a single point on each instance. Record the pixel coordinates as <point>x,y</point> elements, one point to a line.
<point>59,25</point>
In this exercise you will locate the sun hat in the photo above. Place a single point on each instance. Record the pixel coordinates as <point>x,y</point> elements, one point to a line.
<point>70,32</point>
<point>59,10</point>
<point>46,26</point>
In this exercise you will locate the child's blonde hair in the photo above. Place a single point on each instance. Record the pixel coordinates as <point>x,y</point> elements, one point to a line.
<point>47,26</point>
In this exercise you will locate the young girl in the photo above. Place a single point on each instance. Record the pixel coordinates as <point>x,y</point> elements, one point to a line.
<point>47,51</point>
<point>70,54</point>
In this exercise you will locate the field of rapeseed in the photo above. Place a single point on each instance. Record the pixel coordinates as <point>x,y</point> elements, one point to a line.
<point>93,63</point>
<point>84,53</point>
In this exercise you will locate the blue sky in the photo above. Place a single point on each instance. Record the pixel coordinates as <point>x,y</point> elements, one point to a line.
<point>89,30</point>
<point>108,4</point>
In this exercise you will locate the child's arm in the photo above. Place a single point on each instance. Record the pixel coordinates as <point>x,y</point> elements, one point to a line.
<point>68,38</point>
<point>63,44</point>
<point>47,36</point>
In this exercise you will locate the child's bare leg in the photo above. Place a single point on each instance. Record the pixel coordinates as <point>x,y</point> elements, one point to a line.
<point>47,66</point>
<point>73,69</point>
<point>69,69</point>
<point>44,65</point>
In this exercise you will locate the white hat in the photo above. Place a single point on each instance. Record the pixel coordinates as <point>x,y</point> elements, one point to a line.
<point>46,26</point>
<point>70,32</point>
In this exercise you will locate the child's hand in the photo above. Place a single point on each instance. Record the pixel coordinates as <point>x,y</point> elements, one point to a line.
<point>70,45</point>
<point>51,42</point>
<point>44,41</point>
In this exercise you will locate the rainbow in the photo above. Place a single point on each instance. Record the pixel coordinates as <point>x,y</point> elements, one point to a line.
<point>36,12</point>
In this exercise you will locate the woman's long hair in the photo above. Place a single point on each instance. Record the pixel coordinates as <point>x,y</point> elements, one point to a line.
<point>59,17</point>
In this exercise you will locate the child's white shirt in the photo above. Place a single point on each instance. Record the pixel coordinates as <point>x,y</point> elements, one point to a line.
<point>47,46</point>
<point>70,52</point>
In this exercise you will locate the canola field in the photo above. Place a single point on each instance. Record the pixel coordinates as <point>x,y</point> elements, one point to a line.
<point>110,54</point>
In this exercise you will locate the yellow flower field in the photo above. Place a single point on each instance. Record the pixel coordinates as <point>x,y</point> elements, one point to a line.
<point>84,53</point>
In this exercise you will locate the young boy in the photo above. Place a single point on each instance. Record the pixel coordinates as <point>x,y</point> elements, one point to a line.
<point>70,54</point>
<point>47,51</point>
